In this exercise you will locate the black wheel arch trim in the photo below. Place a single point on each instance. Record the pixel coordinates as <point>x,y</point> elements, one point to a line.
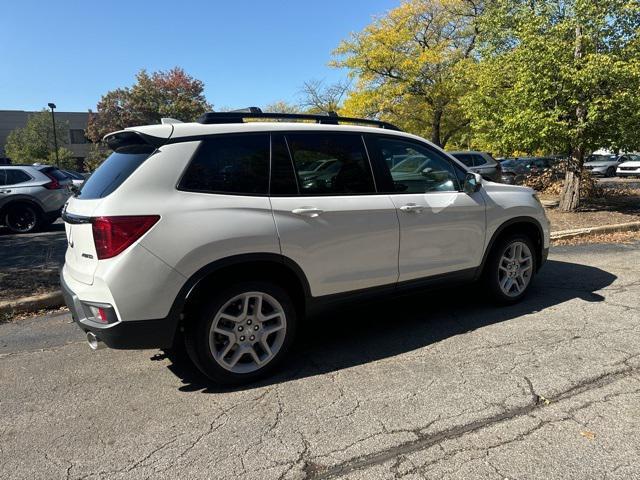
<point>234,260</point>
<point>540,250</point>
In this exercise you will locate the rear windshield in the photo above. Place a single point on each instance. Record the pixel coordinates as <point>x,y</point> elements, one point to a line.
<point>55,173</point>
<point>114,171</point>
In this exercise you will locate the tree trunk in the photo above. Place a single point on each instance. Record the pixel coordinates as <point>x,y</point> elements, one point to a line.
<point>435,127</point>
<point>570,196</point>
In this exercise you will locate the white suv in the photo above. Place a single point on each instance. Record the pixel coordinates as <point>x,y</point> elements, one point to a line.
<point>226,234</point>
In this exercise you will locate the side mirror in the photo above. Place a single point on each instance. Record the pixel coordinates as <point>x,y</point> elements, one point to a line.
<point>426,171</point>
<point>472,182</point>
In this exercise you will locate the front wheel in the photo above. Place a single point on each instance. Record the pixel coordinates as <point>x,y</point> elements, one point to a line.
<point>611,172</point>
<point>242,333</point>
<point>510,269</point>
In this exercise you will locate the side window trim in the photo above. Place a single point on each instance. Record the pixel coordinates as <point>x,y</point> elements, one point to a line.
<point>443,155</point>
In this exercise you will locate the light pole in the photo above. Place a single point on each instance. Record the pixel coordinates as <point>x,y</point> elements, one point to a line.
<point>55,137</point>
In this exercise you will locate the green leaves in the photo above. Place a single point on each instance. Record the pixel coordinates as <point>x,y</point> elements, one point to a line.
<point>35,141</point>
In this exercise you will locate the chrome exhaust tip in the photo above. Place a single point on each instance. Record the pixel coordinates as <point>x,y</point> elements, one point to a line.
<point>94,342</point>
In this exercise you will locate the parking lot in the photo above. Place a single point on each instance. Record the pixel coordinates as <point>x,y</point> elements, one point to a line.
<point>430,386</point>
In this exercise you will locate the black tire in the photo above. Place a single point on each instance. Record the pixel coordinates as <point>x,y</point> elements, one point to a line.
<point>611,172</point>
<point>491,273</point>
<point>22,218</point>
<point>197,333</point>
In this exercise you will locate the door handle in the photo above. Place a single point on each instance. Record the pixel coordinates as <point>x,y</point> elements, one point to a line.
<point>411,208</point>
<point>308,211</point>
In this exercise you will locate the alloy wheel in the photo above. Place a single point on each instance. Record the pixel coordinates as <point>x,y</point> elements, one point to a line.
<point>247,332</point>
<point>515,269</point>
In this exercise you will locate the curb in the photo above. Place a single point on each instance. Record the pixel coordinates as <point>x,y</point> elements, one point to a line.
<point>583,232</point>
<point>33,303</point>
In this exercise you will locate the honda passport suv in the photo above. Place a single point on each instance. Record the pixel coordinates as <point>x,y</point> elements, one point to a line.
<point>215,234</point>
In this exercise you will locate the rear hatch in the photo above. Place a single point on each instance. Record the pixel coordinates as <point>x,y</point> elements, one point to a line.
<point>130,151</point>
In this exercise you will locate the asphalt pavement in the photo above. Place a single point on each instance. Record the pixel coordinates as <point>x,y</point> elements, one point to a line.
<point>439,385</point>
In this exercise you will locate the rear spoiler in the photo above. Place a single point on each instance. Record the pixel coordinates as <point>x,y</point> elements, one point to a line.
<point>152,135</point>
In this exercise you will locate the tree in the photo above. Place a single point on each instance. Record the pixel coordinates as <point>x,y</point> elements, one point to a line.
<point>65,159</point>
<point>282,106</point>
<point>35,141</point>
<point>98,152</point>
<point>173,93</point>
<point>412,64</point>
<point>320,98</point>
<point>558,76</point>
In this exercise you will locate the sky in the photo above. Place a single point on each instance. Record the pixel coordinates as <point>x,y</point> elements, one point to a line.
<point>247,52</point>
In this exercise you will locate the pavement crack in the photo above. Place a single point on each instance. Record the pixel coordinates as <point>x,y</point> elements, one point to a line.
<point>424,441</point>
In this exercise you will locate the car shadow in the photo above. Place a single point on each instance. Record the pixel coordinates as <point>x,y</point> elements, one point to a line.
<point>361,334</point>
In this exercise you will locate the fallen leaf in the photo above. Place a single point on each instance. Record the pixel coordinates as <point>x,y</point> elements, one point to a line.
<point>588,434</point>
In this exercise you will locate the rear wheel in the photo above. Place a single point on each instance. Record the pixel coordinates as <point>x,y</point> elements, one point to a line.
<point>611,172</point>
<point>22,218</point>
<point>242,333</point>
<point>510,268</point>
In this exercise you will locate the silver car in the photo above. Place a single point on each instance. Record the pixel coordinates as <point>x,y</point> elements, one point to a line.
<point>31,196</point>
<point>605,165</point>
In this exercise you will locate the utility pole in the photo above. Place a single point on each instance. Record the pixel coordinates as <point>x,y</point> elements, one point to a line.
<point>55,136</point>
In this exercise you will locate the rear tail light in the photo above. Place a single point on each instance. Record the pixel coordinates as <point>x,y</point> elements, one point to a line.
<point>112,235</point>
<point>54,184</point>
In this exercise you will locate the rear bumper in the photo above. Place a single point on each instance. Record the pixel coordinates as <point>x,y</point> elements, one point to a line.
<point>130,334</point>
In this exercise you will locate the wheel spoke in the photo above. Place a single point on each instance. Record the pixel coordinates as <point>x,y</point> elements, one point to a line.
<point>252,352</point>
<point>223,331</point>
<point>236,356</point>
<point>265,346</point>
<point>271,328</point>
<point>226,350</point>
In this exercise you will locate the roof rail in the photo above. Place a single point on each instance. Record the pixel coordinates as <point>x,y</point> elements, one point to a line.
<point>331,118</point>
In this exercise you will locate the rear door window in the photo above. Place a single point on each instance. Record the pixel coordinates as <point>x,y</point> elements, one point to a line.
<point>236,164</point>
<point>14,177</point>
<point>114,171</point>
<point>331,164</point>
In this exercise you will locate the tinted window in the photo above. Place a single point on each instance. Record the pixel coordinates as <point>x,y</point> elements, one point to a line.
<point>16,176</point>
<point>283,178</point>
<point>55,173</point>
<point>467,159</point>
<point>423,170</point>
<point>230,164</point>
<point>331,164</point>
<point>3,176</point>
<point>76,136</point>
<point>114,171</point>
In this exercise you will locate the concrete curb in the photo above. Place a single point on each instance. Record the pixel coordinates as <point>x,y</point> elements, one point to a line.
<point>33,303</point>
<point>583,232</point>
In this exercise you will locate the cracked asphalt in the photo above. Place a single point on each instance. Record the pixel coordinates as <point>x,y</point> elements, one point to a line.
<point>437,385</point>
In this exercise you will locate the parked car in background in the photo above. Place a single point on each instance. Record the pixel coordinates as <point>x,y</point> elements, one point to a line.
<point>604,165</point>
<point>515,170</point>
<point>76,177</point>
<point>31,196</point>
<point>630,167</point>
<point>482,163</point>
